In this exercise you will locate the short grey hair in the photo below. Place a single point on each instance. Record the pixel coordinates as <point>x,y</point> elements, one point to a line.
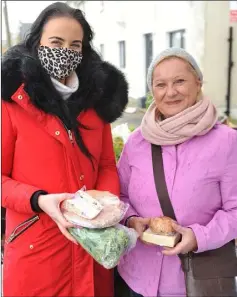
<point>173,52</point>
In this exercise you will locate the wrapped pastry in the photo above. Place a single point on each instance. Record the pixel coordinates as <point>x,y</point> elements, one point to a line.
<point>112,212</point>
<point>83,205</point>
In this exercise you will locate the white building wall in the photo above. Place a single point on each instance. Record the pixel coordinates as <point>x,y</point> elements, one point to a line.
<point>206,24</point>
<point>129,21</point>
<point>196,31</point>
<point>216,54</point>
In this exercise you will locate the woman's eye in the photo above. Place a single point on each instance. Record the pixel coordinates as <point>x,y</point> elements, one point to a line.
<point>161,85</point>
<point>56,42</point>
<point>179,81</point>
<point>76,45</point>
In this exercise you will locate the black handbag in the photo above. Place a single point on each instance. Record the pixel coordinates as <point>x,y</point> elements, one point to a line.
<point>207,274</point>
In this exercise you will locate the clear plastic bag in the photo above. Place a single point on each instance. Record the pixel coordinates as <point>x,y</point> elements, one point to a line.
<point>112,213</point>
<point>108,245</point>
<point>83,205</point>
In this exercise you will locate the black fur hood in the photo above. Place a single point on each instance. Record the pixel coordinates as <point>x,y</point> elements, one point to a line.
<point>102,86</point>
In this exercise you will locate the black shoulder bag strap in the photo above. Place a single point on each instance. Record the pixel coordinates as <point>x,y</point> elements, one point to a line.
<point>161,188</point>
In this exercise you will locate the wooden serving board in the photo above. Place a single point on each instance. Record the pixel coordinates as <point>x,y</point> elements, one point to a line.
<point>162,240</point>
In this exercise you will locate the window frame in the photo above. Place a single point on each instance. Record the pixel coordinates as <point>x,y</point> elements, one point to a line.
<point>122,53</point>
<point>182,39</point>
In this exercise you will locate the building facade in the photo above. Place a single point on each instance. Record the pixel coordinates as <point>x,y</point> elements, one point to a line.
<point>130,33</point>
<point>24,30</point>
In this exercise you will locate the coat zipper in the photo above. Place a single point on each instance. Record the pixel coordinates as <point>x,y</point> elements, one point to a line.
<point>25,225</point>
<point>69,132</point>
<point>70,136</point>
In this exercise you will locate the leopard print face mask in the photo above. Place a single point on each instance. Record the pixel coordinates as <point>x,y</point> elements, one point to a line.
<point>59,62</point>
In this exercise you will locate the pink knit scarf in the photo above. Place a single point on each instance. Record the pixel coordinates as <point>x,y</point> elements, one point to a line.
<point>193,121</point>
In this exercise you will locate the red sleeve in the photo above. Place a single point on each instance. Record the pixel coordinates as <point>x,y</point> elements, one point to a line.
<point>107,179</point>
<point>15,195</point>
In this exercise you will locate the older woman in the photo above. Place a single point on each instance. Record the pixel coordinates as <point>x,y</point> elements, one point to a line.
<point>200,165</point>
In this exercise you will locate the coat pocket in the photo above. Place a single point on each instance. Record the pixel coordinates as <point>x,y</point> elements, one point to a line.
<point>21,228</point>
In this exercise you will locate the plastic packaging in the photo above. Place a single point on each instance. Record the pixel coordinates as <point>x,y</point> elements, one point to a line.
<point>108,245</point>
<point>83,205</point>
<point>112,213</point>
<point>121,131</point>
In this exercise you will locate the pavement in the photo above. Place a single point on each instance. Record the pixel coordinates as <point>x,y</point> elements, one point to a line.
<point>132,119</point>
<point>132,115</point>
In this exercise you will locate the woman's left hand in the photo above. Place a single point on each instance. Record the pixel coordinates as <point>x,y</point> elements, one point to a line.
<point>187,244</point>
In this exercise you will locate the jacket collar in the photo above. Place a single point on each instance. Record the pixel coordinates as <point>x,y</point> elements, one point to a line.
<point>102,86</point>
<point>22,98</point>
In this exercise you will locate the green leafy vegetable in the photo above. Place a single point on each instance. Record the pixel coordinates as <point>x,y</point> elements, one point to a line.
<point>106,246</point>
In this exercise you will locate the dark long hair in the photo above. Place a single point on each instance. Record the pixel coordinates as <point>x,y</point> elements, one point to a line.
<point>32,41</point>
<point>58,9</point>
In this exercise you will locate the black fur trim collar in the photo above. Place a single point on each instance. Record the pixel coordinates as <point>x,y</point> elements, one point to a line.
<point>102,86</point>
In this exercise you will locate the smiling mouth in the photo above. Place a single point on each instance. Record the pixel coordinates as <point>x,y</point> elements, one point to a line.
<point>173,102</point>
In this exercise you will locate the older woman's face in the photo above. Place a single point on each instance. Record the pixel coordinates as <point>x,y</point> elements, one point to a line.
<point>175,87</point>
<point>63,32</point>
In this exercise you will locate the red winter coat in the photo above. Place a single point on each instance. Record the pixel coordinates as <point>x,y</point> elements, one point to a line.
<point>37,154</point>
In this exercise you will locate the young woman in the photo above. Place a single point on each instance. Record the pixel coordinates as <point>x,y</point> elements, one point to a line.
<point>58,100</point>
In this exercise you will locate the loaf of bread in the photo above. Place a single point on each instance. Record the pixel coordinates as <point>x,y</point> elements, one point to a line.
<point>161,226</point>
<point>161,232</point>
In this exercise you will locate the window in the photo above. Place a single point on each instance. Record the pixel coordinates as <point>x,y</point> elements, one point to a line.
<point>102,50</point>
<point>177,38</point>
<point>148,48</point>
<point>122,54</point>
<point>148,52</point>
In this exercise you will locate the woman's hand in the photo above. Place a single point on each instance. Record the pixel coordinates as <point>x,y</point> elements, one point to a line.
<point>139,224</point>
<point>187,244</point>
<point>50,204</point>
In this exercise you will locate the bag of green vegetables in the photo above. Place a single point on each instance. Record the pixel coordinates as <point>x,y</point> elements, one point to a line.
<point>107,245</point>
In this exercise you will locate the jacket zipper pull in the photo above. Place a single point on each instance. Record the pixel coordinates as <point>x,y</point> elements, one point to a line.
<point>70,136</point>
<point>11,237</point>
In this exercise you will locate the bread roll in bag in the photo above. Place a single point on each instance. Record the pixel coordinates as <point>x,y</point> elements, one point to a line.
<point>83,205</point>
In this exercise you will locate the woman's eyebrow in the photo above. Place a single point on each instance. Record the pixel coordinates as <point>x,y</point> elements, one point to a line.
<point>79,41</point>
<point>61,39</point>
<point>56,37</point>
